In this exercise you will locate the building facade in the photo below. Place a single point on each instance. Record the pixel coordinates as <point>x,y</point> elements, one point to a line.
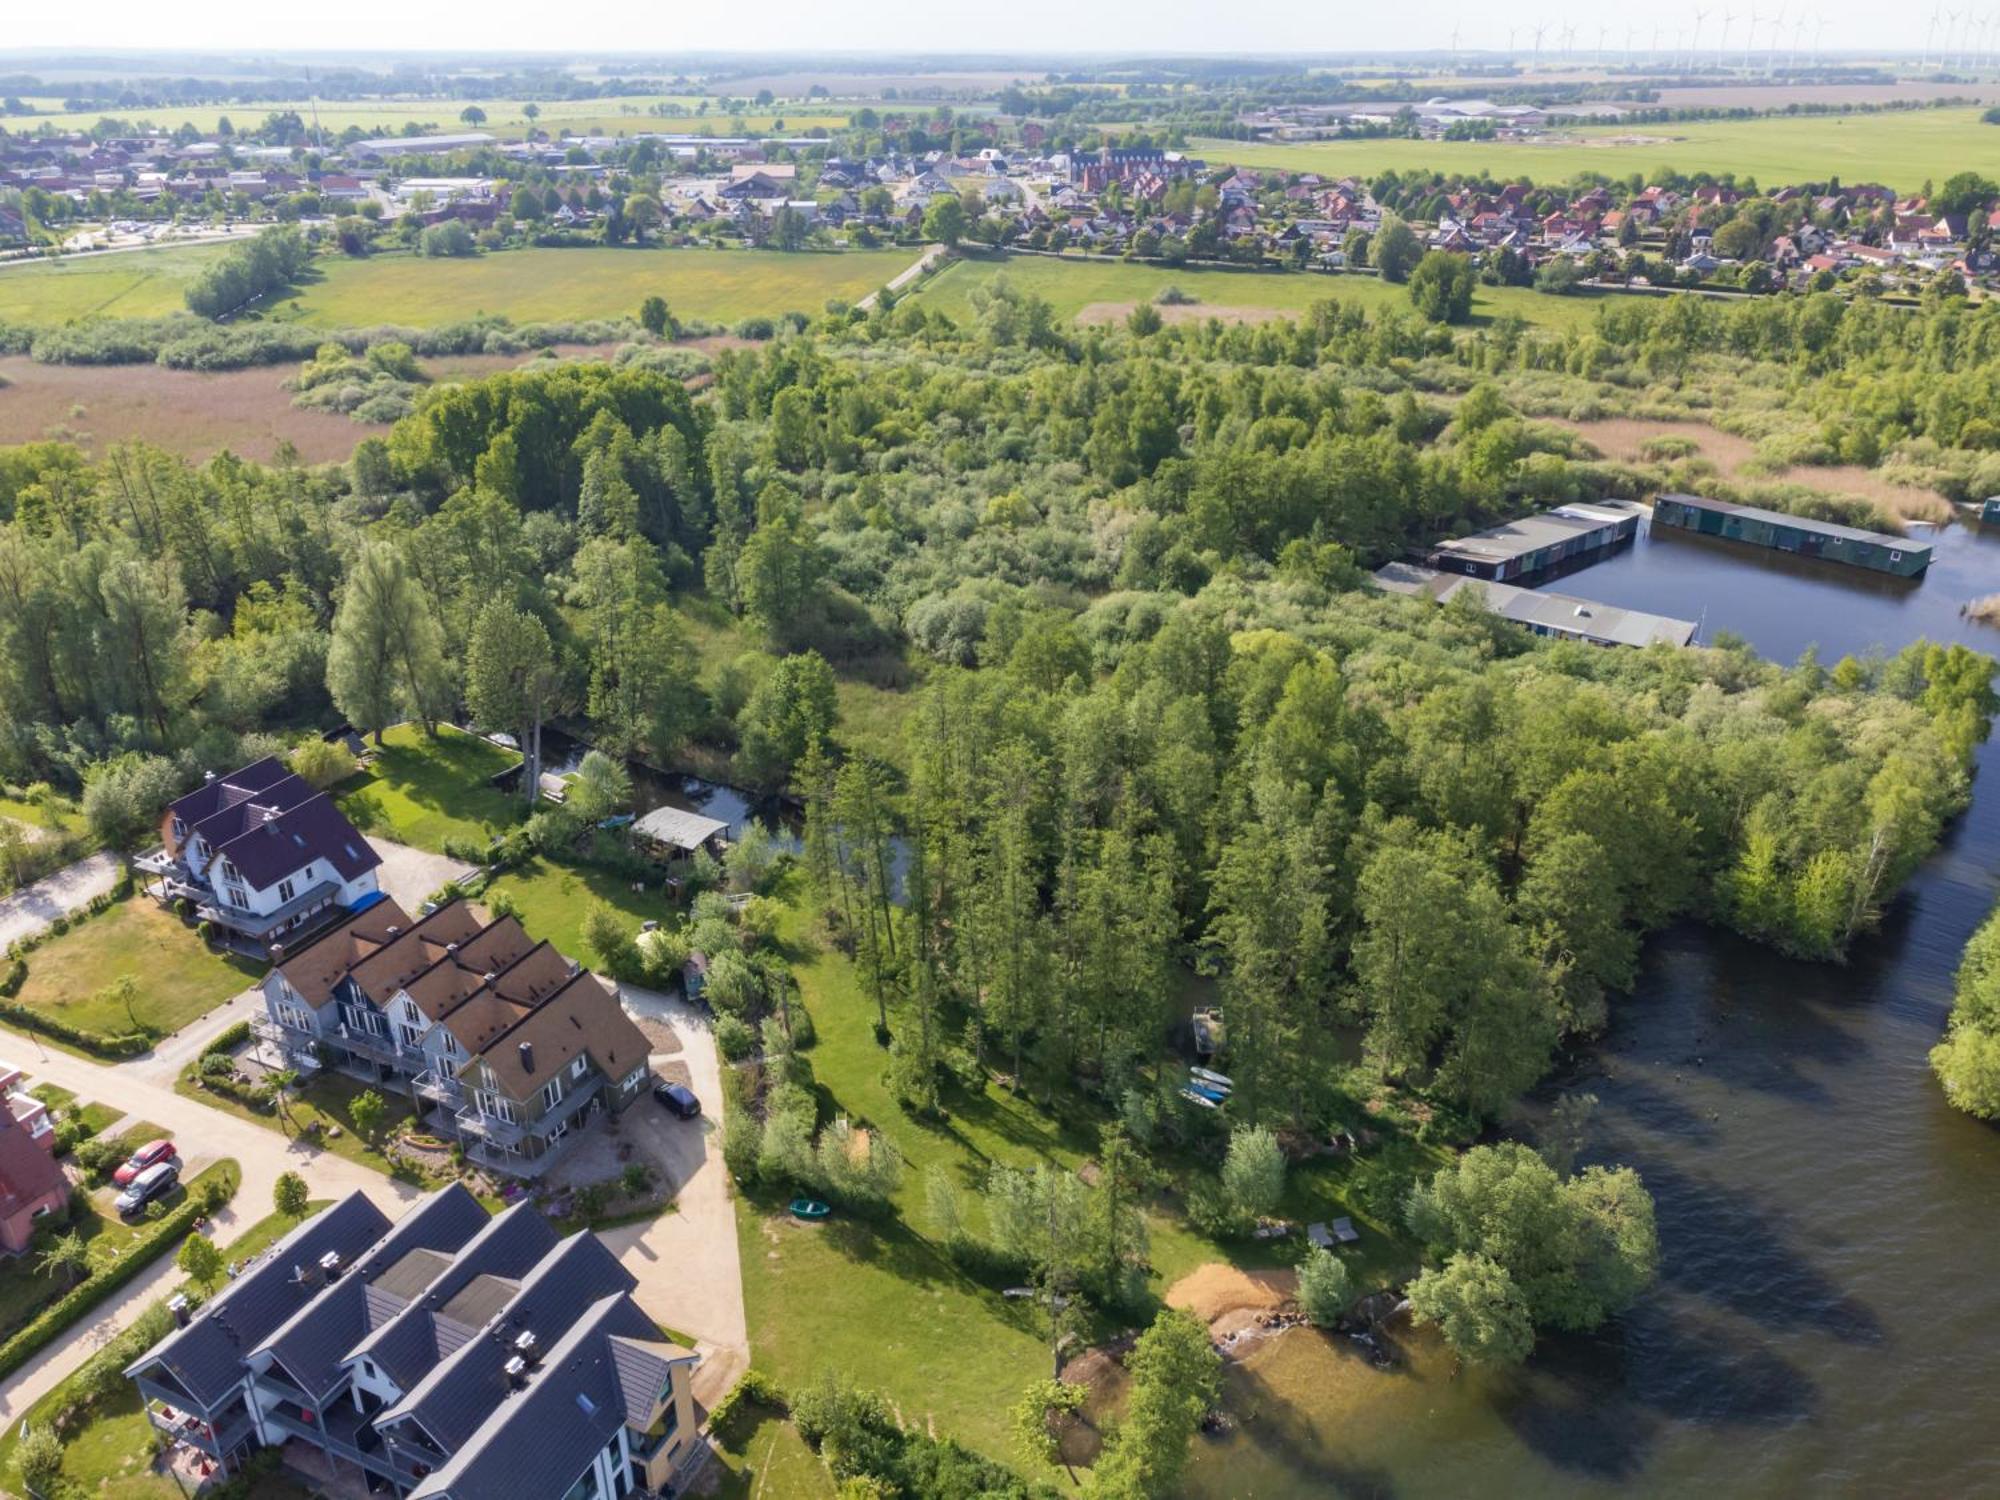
<point>503,1042</point>
<point>448,1355</point>
<point>261,854</point>
<point>1826,540</point>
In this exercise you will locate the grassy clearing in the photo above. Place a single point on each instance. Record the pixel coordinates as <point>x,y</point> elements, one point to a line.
<point>179,978</point>
<point>1100,289</point>
<point>762,1457</point>
<point>110,1455</point>
<point>1901,149</point>
<point>135,284</point>
<point>545,285</point>
<point>422,791</point>
<point>886,1304</point>
<point>62,1103</point>
<point>59,815</point>
<point>553,900</point>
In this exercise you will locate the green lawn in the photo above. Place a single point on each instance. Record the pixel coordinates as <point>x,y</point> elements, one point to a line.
<point>422,791</point>
<point>1109,287</point>
<point>135,284</point>
<point>60,815</point>
<point>110,1455</point>
<point>762,1457</point>
<point>553,900</point>
<point>62,1103</point>
<point>885,1304</point>
<point>1901,148</point>
<point>323,1102</point>
<point>180,979</point>
<point>540,285</point>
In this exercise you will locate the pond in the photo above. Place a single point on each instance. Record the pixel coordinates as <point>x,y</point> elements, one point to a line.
<point>1824,1322</point>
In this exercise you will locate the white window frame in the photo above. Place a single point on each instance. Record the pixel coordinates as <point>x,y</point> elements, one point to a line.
<point>580,1066</point>
<point>552,1094</point>
<point>286,890</point>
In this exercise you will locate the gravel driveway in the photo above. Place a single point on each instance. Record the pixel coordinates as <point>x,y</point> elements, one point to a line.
<point>33,907</point>
<point>410,875</point>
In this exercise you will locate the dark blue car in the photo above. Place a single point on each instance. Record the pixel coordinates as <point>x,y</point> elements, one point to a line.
<point>678,1098</point>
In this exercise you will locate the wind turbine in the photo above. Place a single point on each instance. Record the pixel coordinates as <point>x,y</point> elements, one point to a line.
<point>1454,45</point>
<point>1931,35</point>
<point>1798,31</point>
<point>1777,30</point>
<point>1569,39</point>
<point>1950,25</point>
<point>1722,46</point>
<point>1512,29</point>
<point>1700,15</point>
<point>1750,41</point>
<point>1541,30</point>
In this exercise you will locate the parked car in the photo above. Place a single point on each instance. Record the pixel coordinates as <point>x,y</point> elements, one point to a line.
<point>149,1155</point>
<point>678,1098</point>
<point>155,1182</point>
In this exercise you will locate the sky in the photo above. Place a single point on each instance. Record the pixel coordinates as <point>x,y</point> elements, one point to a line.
<point>938,26</point>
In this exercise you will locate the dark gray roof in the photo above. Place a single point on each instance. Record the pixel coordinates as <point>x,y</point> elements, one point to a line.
<point>211,797</point>
<point>643,1366</point>
<point>206,1357</point>
<point>407,1347</point>
<point>313,1341</point>
<point>451,1401</point>
<point>539,1439</point>
<point>315,829</point>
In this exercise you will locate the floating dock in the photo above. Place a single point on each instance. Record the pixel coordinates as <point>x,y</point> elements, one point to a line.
<point>1560,616</point>
<point>1568,536</point>
<point>1827,540</point>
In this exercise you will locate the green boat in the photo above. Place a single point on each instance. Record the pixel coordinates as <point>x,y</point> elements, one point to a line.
<point>809,1208</point>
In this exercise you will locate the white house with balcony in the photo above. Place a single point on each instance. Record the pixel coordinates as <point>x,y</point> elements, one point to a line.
<point>261,854</point>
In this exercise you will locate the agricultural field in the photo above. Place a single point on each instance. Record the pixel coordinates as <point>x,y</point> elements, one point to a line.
<point>1902,150</point>
<point>606,116</point>
<point>120,284</point>
<point>1102,290</point>
<point>546,285</point>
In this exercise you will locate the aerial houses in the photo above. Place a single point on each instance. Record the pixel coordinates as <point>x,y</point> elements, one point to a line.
<point>1827,540</point>
<point>1567,537</point>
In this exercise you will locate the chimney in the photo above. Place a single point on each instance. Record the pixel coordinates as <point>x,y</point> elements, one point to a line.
<point>329,1263</point>
<point>451,947</point>
<point>392,931</point>
<point>178,1306</point>
<point>277,953</point>
<point>524,1345</point>
<point>517,1372</point>
<point>527,1057</point>
<point>208,778</point>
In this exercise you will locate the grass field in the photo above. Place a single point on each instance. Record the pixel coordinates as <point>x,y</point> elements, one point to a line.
<point>884,1303</point>
<point>1097,289</point>
<point>619,114</point>
<point>541,285</point>
<point>134,284</point>
<point>1900,149</point>
<point>422,791</point>
<point>179,978</point>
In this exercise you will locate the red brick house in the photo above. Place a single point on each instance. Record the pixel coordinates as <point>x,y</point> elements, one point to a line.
<point>32,1186</point>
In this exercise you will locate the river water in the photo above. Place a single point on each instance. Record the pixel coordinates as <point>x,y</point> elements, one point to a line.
<point>1828,1315</point>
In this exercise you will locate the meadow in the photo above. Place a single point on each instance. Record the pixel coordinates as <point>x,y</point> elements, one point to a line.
<point>1902,149</point>
<point>1095,290</point>
<point>541,285</point>
<point>611,115</point>
<point>121,284</point>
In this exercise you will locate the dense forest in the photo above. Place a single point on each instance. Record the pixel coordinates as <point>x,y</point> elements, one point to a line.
<point>1160,698</point>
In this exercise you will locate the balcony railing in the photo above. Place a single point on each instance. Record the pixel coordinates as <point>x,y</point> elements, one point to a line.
<point>491,1127</point>
<point>376,1045</point>
<point>440,1087</point>
<point>185,1427</point>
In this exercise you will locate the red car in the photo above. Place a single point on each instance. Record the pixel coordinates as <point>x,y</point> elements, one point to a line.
<point>150,1154</point>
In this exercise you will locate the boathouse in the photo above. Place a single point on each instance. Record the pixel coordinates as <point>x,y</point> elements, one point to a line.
<point>1569,535</point>
<point>1874,550</point>
<point>1559,616</point>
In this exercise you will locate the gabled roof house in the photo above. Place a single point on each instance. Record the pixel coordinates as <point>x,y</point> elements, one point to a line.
<point>448,1355</point>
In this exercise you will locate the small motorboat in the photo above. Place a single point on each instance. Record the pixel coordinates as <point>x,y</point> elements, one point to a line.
<point>809,1208</point>
<point>1212,1078</point>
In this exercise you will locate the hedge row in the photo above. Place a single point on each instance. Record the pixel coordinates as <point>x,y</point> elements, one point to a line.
<point>228,1039</point>
<point>120,1044</point>
<point>86,1294</point>
<point>754,1388</point>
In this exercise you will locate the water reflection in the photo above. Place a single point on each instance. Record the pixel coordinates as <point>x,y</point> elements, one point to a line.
<point>1823,1321</point>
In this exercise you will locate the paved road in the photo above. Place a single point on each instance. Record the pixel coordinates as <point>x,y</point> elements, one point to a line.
<point>204,1135</point>
<point>690,1277</point>
<point>33,907</point>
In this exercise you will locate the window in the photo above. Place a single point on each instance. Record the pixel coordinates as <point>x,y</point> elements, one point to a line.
<point>580,1067</point>
<point>286,890</point>
<point>552,1093</point>
<point>235,896</point>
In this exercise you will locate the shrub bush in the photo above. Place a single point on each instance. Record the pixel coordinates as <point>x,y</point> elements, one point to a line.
<point>735,1037</point>
<point>125,1044</point>
<point>228,1039</point>
<point>13,979</point>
